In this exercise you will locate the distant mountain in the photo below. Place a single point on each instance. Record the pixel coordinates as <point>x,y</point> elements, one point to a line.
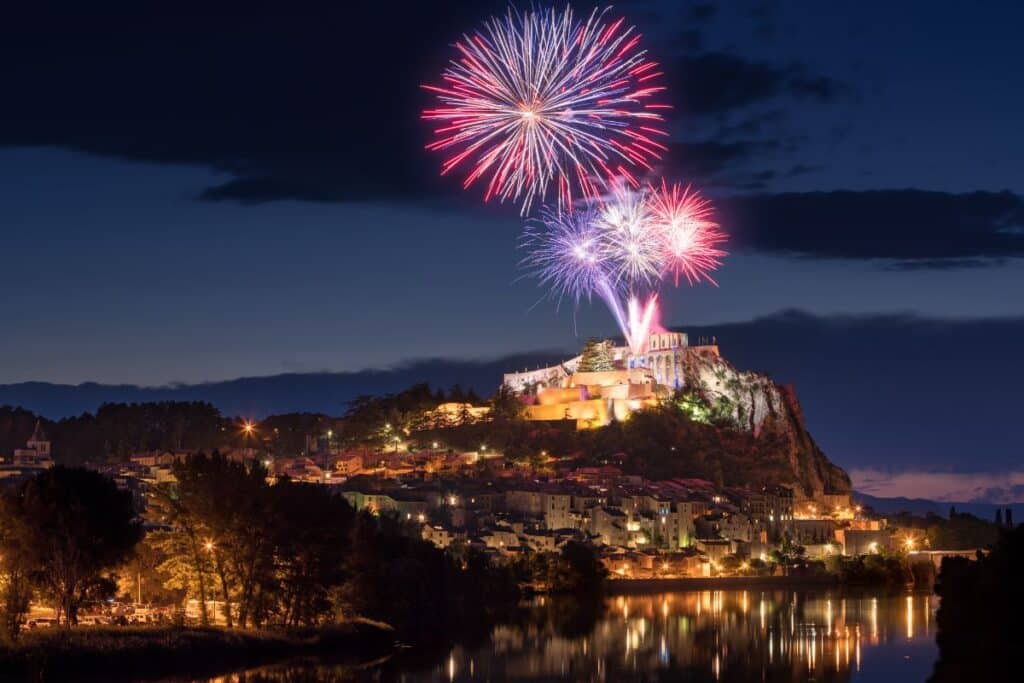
<point>922,506</point>
<point>257,397</point>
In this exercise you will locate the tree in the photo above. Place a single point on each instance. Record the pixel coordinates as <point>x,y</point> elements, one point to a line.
<point>218,542</point>
<point>577,569</point>
<point>309,531</point>
<point>505,405</point>
<point>596,356</point>
<point>268,553</point>
<point>978,614</point>
<point>15,566</point>
<point>72,525</point>
<point>141,578</point>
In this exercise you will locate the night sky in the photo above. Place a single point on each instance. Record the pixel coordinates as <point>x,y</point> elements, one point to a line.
<point>191,194</point>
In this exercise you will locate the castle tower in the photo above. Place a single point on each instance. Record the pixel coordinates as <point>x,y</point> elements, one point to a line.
<point>38,441</point>
<point>36,453</point>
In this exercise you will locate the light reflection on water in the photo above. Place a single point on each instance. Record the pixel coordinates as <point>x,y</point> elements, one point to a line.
<point>735,635</point>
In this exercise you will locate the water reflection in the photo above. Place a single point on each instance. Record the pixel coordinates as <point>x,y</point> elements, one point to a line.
<point>701,636</point>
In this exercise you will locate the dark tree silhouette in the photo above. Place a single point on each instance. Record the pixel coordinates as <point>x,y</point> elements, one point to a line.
<point>981,605</point>
<point>70,525</point>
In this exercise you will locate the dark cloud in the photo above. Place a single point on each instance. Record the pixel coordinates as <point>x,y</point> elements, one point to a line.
<point>313,102</point>
<point>802,169</point>
<point>753,124</point>
<point>708,158</point>
<point>907,228</point>
<point>715,83</point>
<point>317,103</point>
<point>688,40</point>
<point>703,12</point>
<point>764,17</point>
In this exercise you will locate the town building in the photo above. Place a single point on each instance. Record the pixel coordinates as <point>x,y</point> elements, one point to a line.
<point>36,453</point>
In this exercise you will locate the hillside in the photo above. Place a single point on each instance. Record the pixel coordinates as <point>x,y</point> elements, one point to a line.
<point>732,427</point>
<point>755,404</point>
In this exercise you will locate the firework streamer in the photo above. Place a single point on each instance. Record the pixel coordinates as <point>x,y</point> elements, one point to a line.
<point>689,236</point>
<point>540,103</point>
<point>621,246</point>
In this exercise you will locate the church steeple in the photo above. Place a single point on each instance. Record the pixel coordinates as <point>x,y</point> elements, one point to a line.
<point>38,435</point>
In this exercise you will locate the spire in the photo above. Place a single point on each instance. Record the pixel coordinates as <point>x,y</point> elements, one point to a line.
<point>38,434</point>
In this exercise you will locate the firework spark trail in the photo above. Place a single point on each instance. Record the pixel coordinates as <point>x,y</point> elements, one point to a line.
<point>565,254</point>
<point>540,98</point>
<point>623,244</point>
<point>631,241</point>
<point>690,238</point>
<point>639,323</point>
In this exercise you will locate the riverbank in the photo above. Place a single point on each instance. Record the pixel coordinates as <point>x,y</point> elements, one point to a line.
<point>132,653</point>
<point>637,586</point>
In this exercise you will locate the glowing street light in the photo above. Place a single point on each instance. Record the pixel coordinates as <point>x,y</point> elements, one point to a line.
<point>209,545</point>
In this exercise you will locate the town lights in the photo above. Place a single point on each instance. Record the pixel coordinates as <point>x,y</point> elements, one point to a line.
<point>209,545</point>
<point>248,428</point>
<point>909,544</point>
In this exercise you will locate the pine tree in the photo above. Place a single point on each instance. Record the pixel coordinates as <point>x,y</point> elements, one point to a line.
<point>596,357</point>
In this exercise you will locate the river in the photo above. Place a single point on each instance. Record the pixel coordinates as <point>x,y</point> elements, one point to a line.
<point>729,635</point>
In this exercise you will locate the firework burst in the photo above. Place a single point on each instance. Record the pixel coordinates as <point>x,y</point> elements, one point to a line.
<point>689,237</point>
<point>630,241</point>
<point>566,253</point>
<point>539,102</point>
<point>619,247</point>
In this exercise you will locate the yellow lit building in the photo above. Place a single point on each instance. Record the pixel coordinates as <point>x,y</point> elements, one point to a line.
<point>594,399</point>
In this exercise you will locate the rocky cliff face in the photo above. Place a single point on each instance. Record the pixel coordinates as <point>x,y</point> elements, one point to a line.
<point>756,404</point>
